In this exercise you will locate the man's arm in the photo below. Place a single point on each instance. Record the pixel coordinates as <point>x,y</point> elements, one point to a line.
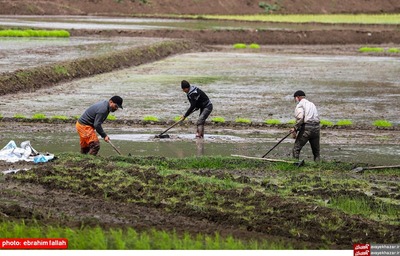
<point>97,125</point>
<point>193,98</point>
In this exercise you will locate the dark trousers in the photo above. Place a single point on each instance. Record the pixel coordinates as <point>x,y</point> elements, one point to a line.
<point>204,113</point>
<point>308,133</point>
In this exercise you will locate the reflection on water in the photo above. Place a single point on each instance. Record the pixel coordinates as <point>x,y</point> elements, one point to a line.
<point>200,147</point>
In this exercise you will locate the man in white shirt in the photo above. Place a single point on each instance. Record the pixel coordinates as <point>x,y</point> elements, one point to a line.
<point>307,128</point>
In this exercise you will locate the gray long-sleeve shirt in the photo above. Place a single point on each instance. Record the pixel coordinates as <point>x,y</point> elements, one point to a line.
<point>95,116</point>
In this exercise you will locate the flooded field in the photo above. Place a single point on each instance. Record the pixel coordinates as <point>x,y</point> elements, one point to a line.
<point>165,184</point>
<point>23,53</point>
<point>257,86</point>
<point>125,23</point>
<point>254,85</point>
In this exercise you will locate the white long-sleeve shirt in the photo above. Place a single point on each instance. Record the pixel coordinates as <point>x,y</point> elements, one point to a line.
<point>305,113</point>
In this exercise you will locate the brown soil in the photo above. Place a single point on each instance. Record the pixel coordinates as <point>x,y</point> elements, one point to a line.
<point>48,203</point>
<point>356,35</point>
<point>132,7</point>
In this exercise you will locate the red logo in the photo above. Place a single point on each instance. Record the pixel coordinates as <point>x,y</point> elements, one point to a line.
<point>362,249</point>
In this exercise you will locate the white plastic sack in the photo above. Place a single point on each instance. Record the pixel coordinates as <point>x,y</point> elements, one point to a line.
<point>11,153</point>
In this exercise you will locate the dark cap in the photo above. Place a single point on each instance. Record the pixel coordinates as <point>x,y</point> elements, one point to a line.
<point>117,100</point>
<point>185,84</point>
<point>299,93</point>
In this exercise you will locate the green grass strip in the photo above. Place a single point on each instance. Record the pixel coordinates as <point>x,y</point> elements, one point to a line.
<point>309,18</point>
<point>382,123</point>
<point>129,239</point>
<point>33,33</point>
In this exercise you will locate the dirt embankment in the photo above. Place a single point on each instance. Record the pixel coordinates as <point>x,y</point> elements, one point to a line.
<point>365,36</point>
<point>44,76</point>
<point>132,7</point>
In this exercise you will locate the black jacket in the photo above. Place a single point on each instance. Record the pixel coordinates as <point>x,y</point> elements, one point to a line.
<point>197,98</point>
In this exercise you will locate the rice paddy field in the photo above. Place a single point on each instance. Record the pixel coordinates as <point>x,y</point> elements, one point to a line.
<point>186,194</point>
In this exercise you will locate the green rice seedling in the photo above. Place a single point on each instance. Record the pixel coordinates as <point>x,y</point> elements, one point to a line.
<point>240,46</point>
<point>150,119</point>
<point>33,33</point>
<point>344,122</point>
<point>1,116</point>
<point>254,46</point>
<point>111,117</point>
<point>19,116</point>
<point>365,206</point>
<point>218,119</point>
<point>382,123</point>
<point>324,122</point>
<point>371,49</point>
<point>393,50</point>
<point>272,121</point>
<point>177,118</point>
<point>39,116</point>
<point>60,117</point>
<point>310,18</point>
<point>291,121</point>
<point>243,120</point>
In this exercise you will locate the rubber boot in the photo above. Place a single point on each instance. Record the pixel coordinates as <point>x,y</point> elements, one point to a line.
<point>85,150</point>
<point>94,147</point>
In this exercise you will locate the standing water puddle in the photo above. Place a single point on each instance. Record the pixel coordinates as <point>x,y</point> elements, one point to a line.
<point>181,145</point>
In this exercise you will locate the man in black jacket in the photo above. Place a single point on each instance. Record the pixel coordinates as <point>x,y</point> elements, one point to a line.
<point>198,100</point>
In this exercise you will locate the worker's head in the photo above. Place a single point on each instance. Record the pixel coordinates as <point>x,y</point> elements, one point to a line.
<point>299,95</point>
<point>185,86</point>
<point>115,103</point>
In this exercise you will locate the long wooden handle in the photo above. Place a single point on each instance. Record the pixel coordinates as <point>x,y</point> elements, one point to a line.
<point>276,145</point>
<point>170,127</point>
<point>116,149</point>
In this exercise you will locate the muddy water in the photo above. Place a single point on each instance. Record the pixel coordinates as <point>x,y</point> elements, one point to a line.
<point>336,145</point>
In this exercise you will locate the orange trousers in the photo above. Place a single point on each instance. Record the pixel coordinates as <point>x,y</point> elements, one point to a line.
<point>87,134</point>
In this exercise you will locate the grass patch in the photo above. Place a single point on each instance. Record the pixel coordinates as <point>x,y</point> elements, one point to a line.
<point>371,49</point>
<point>60,70</point>
<point>243,120</point>
<point>344,122</point>
<point>177,118</point>
<point>291,121</point>
<point>19,116</point>
<point>60,117</point>
<point>393,50</point>
<point>308,18</point>
<point>239,46</point>
<point>254,46</point>
<point>39,116</point>
<point>150,119</point>
<point>382,123</point>
<point>130,239</point>
<point>33,33</point>
<point>111,117</point>
<point>362,205</point>
<point>324,122</point>
<point>218,119</point>
<point>272,121</point>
